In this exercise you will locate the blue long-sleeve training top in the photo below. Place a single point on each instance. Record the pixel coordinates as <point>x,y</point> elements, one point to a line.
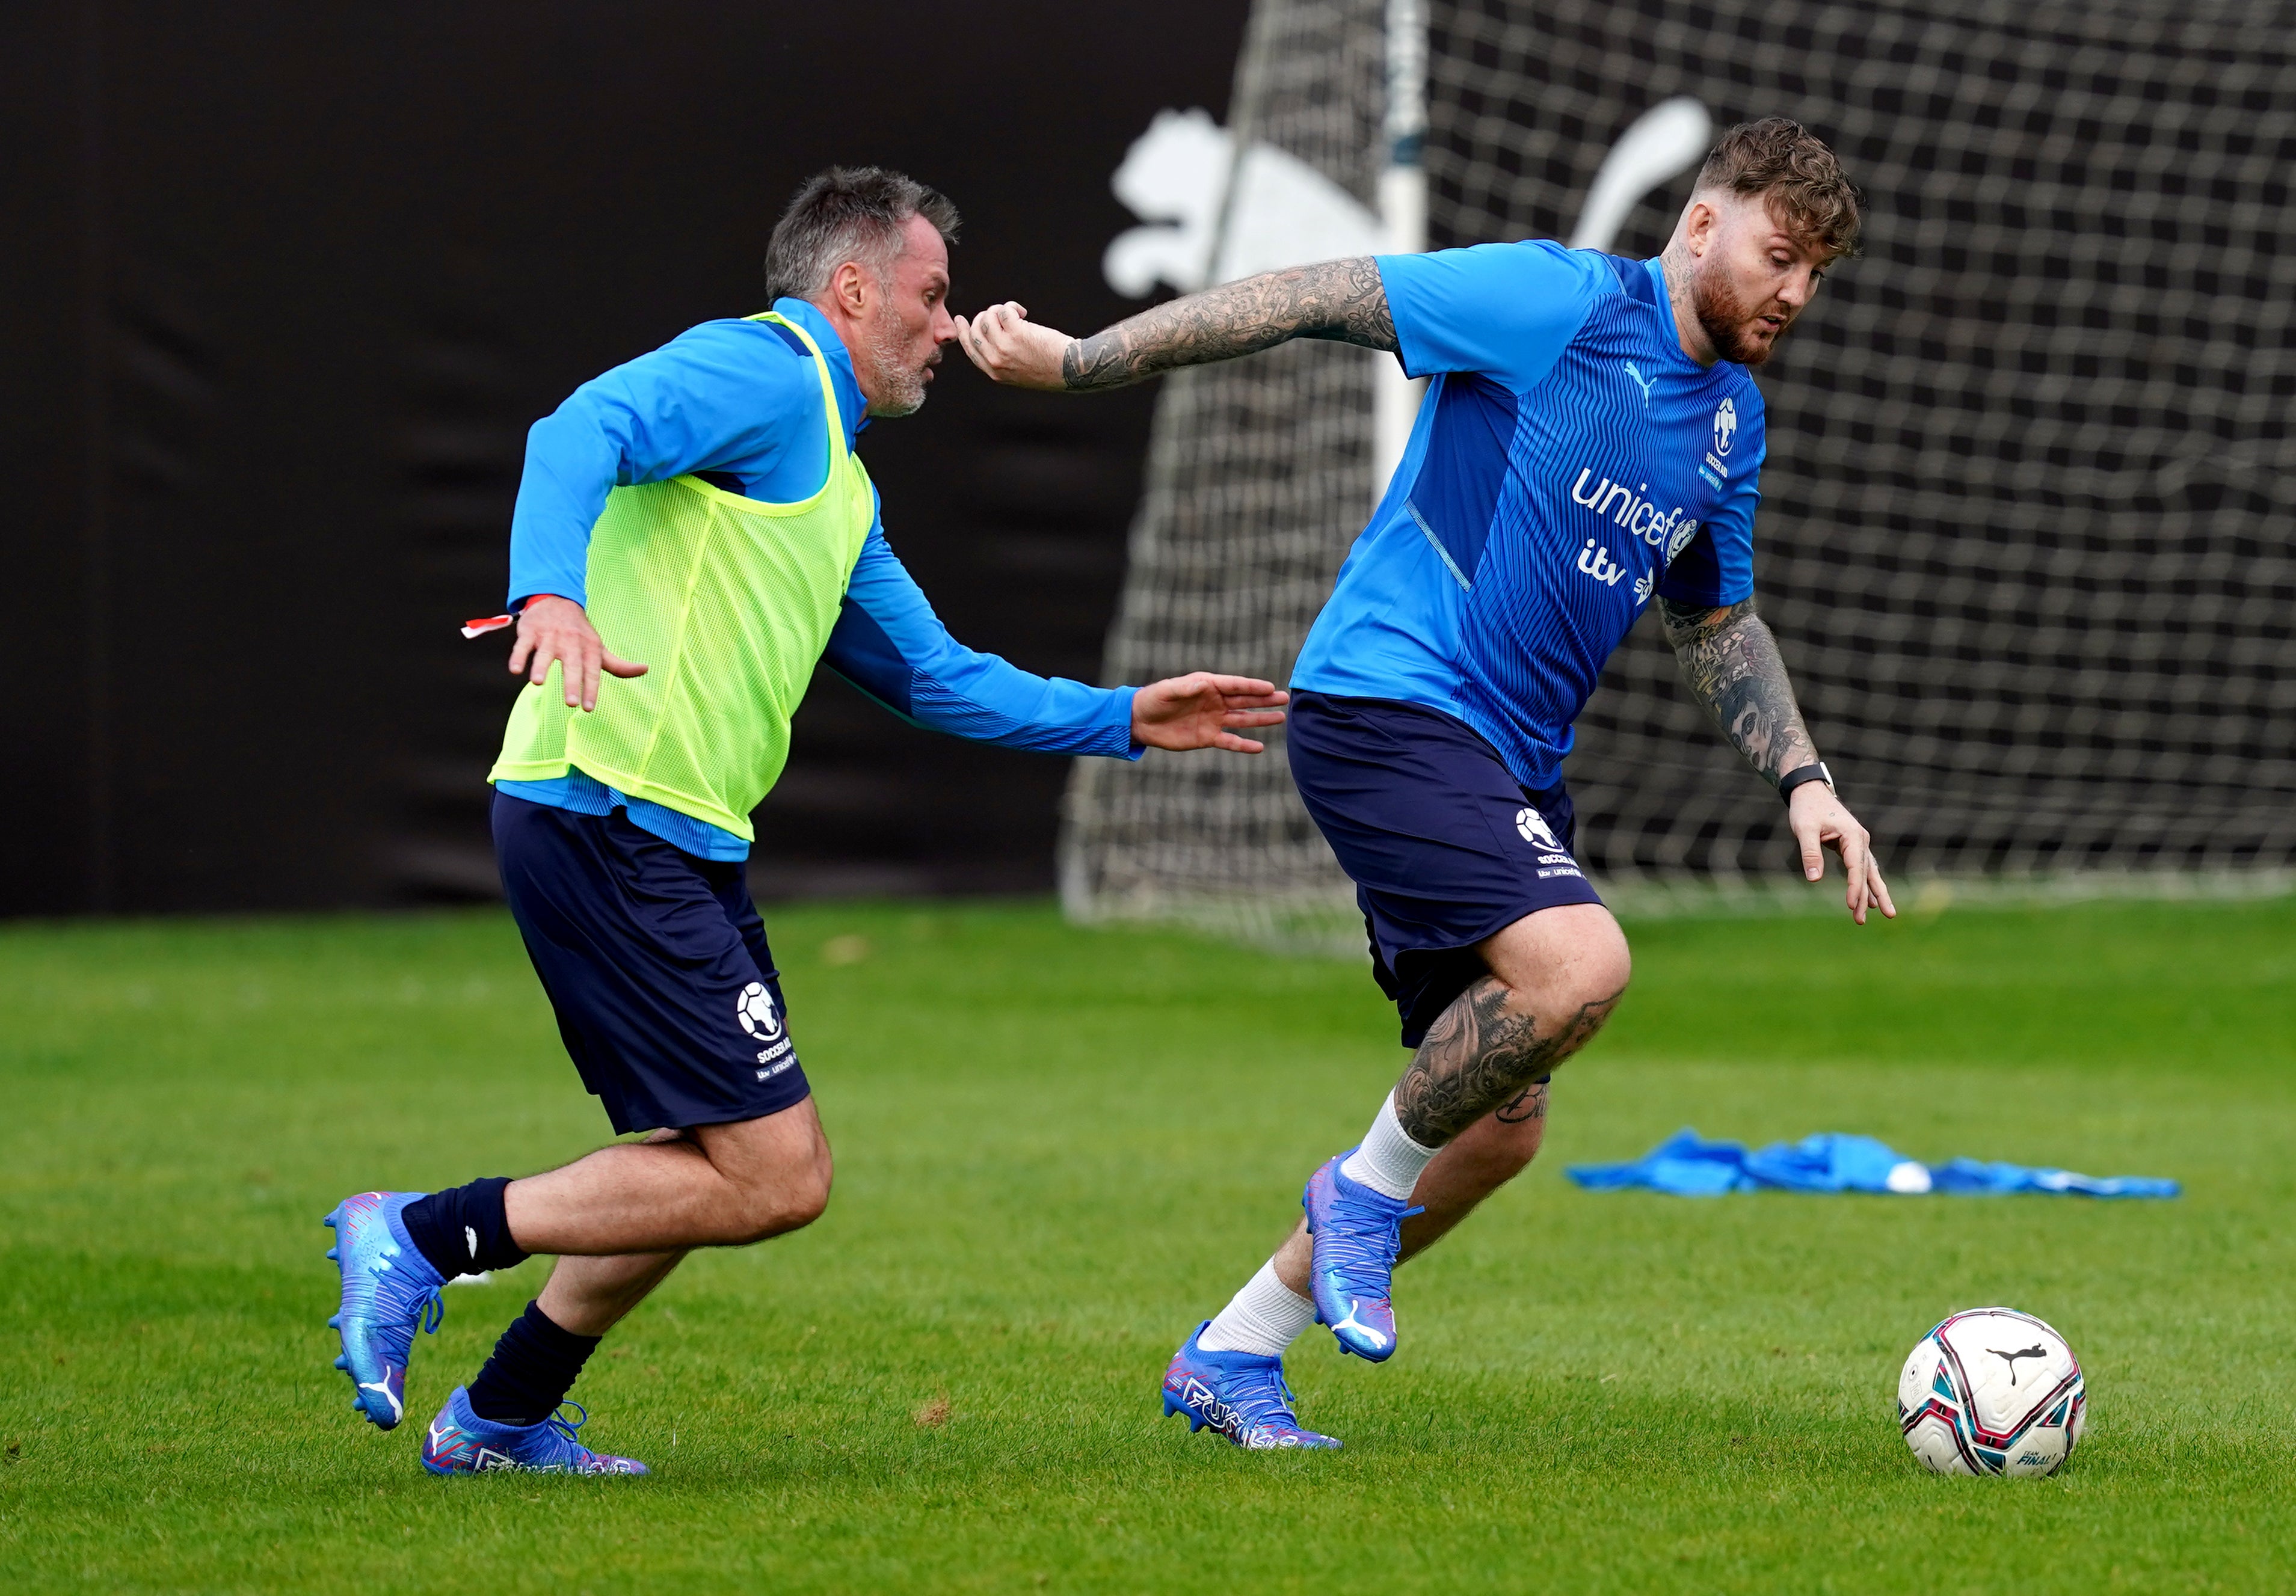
<point>738,404</point>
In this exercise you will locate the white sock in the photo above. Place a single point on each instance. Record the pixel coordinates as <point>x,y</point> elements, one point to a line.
<point>1263,1318</point>
<point>1389,1161</point>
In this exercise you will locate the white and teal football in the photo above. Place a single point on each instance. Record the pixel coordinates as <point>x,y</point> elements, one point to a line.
<point>1992,1391</point>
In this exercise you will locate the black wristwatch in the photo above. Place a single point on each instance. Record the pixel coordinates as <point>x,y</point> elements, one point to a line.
<point>1813,772</point>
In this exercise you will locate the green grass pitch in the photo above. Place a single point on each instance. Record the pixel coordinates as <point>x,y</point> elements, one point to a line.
<point>1057,1149</point>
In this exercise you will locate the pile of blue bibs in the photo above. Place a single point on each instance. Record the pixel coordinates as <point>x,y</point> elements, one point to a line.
<point>1687,1165</point>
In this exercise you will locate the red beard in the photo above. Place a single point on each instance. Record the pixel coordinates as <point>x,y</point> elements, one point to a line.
<point>1730,321</point>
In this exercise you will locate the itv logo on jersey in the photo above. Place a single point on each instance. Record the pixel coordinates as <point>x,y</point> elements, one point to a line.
<point>1598,563</point>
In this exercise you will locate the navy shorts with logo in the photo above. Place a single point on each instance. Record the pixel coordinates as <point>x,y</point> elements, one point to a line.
<point>1445,848</point>
<point>656,964</point>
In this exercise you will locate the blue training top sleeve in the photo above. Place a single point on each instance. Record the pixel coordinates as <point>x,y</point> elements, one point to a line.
<point>718,392</point>
<point>888,642</point>
<point>1507,311</point>
<point>1717,566</point>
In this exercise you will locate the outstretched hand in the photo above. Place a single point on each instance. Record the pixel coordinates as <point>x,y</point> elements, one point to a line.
<point>1013,350</point>
<point>555,630</point>
<point>1819,822</point>
<point>1200,710</point>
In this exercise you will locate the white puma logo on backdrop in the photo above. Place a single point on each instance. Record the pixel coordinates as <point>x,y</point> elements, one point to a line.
<point>1176,178</point>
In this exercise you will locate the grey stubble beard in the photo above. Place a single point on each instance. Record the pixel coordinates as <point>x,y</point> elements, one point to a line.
<point>901,387</point>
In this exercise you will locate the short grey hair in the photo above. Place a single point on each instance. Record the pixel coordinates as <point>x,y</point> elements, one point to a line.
<point>848,213</point>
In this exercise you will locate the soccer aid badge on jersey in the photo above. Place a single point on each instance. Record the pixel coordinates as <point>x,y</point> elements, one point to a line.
<point>1716,467</point>
<point>762,1019</point>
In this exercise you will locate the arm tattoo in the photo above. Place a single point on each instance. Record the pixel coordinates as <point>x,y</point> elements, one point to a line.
<point>1731,662</point>
<point>1339,299</point>
<point>1479,1056</point>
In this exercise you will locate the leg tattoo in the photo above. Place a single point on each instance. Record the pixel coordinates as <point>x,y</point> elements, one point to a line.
<point>1531,1103</point>
<point>1479,1057</point>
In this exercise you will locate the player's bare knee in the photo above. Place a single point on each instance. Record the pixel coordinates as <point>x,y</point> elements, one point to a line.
<point>790,1200</point>
<point>1592,979</point>
<point>1557,963</point>
<point>1586,1004</point>
<point>807,1198</point>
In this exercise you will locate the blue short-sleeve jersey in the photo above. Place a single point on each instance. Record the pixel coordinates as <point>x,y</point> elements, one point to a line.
<point>1569,461</point>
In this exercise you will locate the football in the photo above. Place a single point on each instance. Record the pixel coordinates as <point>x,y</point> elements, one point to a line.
<point>1992,1391</point>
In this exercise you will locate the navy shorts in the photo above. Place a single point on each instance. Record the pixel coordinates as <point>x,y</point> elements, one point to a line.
<point>656,964</point>
<point>1445,848</point>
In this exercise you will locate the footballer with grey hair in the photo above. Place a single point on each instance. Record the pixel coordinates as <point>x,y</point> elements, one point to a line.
<point>694,532</point>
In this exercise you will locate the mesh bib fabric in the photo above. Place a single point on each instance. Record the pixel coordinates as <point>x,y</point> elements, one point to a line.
<point>730,602</point>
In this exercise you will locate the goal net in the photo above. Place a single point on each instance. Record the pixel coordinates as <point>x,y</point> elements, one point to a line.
<point>1258,475</point>
<point>2025,535</point>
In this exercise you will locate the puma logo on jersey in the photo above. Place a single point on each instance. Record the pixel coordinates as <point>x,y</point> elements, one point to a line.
<point>1633,372</point>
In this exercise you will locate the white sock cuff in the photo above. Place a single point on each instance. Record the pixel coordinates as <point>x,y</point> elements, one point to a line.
<point>1263,1318</point>
<point>1390,1162</point>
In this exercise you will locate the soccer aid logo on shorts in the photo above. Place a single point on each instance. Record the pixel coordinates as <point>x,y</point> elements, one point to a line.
<point>1535,830</point>
<point>1726,426</point>
<point>755,1007</point>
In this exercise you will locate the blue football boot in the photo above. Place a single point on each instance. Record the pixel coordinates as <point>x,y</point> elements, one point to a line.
<point>1356,1232</point>
<point>389,1290</point>
<point>1241,1394</point>
<point>460,1442</point>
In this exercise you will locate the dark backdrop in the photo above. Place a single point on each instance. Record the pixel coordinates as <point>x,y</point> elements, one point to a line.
<point>284,288</point>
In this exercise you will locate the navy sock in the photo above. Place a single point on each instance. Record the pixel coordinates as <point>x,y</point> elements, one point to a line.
<point>464,1230</point>
<point>533,1368</point>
